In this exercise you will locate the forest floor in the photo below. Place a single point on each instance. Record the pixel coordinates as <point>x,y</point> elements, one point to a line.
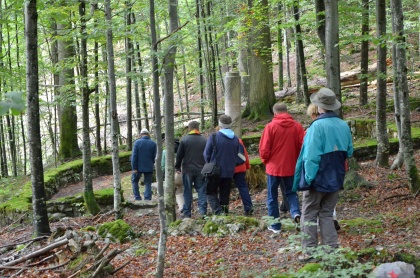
<point>384,216</point>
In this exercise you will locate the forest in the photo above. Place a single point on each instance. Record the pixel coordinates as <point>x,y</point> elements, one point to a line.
<point>79,79</point>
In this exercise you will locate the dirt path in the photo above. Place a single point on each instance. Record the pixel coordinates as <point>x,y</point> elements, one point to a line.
<point>98,183</point>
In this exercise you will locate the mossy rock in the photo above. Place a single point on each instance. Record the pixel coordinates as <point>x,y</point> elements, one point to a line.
<point>310,268</point>
<point>117,231</point>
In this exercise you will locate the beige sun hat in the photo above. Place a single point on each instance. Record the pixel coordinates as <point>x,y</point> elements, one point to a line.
<point>325,98</point>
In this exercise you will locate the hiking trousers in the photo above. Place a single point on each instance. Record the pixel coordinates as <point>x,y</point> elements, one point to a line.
<point>318,205</point>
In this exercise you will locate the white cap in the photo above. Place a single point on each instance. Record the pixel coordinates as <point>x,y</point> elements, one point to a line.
<point>144,131</point>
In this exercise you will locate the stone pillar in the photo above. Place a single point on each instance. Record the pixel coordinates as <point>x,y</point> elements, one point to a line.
<point>233,104</point>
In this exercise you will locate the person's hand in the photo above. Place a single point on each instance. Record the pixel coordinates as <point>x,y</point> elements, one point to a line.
<point>135,171</point>
<point>178,171</point>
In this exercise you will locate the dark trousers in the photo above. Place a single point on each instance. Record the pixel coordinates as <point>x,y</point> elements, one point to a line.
<point>218,193</point>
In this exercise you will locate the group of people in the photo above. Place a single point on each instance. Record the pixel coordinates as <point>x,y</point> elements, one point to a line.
<point>313,161</point>
<point>193,152</point>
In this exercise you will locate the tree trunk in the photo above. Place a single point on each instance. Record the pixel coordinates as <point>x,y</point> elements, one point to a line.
<point>40,215</point>
<point>113,113</point>
<point>382,153</point>
<point>96,78</point>
<point>301,54</point>
<point>107,116</point>
<point>4,169</point>
<point>169,63</point>
<point>364,54</point>
<point>69,147</point>
<point>143,88</point>
<point>402,90</point>
<point>332,49</point>
<point>200,59</point>
<point>280,44</point>
<point>158,131</point>
<point>88,195</point>
<point>262,96</point>
<point>128,57</point>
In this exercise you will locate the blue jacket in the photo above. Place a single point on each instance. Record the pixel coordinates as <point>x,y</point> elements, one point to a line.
<point>227,147</point>
<point>143,155</point>
<point>321,163</point>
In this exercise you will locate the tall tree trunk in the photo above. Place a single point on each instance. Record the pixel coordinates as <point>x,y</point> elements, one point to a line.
<point>332,49</point>
<point>69,147</point>
<point>301,54</point>
<point>402,90</point>
<point>107,116</point>
<point>114,115</point>
<point>364,54</point>
<point>41,225</point>
<point>158,131</point>
<point>22,126</point>
<point>320,22</point>
<point>96,78</point>
<point>128,58</point>
<point>143,89</point>
<point>12,145</point>
<point>184,78</point>
<point>200,58</point>
<point>382,151</point>
<point>287,43</point>
<point>88,194</point>
<point>4,169</point>
<point>280,44</point>
<point>262,96</point>
<point>169,63</point>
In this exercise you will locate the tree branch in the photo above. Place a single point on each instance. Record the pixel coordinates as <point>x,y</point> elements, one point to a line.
<point>170,35</point>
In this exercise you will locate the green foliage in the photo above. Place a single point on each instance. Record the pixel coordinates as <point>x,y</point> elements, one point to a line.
<point>14,101</point>
<point>89,229</point>
<point>310,267</point>
<point>210,228</point>
<point>118,230</point>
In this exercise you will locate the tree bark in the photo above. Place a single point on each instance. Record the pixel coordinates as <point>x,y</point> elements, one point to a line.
<point>40,217</point>
<point>300,54</point>
<point>403,91</point>
<point>88,195</point>
<point>113,113</point>
<point>158,131</point>
<point>169,63</point>
<point>128,57</point>
<point>382,154</point>
<point>69,147</point>
<point>262,96</point>
<point>332,49</point>
<point>364,54</point>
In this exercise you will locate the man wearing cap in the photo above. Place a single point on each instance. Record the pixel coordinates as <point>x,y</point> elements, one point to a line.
<point>190,158</point>
<point>279,149</point>
<point>225,155</point>
<point>142,162</point>
<point>320,171</point>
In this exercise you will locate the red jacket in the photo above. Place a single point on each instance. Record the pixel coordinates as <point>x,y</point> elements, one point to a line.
<point>246,165</point>
<point>280,145</point>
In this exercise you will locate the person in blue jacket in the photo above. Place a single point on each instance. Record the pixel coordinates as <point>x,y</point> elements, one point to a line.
<point>142,163</point>
<point>227,147</point>
<point>320,171</point>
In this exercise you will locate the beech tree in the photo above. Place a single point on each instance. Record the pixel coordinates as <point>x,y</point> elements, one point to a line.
<point>40,215</point>
<point>262,96</point>
<point>382,153</point>
<point>401,88</point>
<point>113,113</point>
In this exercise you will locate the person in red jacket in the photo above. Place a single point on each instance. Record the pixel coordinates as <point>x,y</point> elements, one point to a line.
<point>240,182</point>
<point>279,149</point>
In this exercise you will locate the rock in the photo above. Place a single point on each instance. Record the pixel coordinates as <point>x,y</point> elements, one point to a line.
<point>56,216</point>
<point>395,269</point>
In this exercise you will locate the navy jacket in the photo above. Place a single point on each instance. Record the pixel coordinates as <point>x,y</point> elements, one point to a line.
<point>227,147</point>
<point>143,155</point>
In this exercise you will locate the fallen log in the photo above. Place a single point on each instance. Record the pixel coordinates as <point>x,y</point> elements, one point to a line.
<point>37,253</point>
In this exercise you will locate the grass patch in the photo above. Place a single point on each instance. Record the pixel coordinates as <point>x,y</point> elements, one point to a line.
<point>361,226</point>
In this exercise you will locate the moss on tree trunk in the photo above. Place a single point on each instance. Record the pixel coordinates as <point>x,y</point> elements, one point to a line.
<point>90,202</point>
